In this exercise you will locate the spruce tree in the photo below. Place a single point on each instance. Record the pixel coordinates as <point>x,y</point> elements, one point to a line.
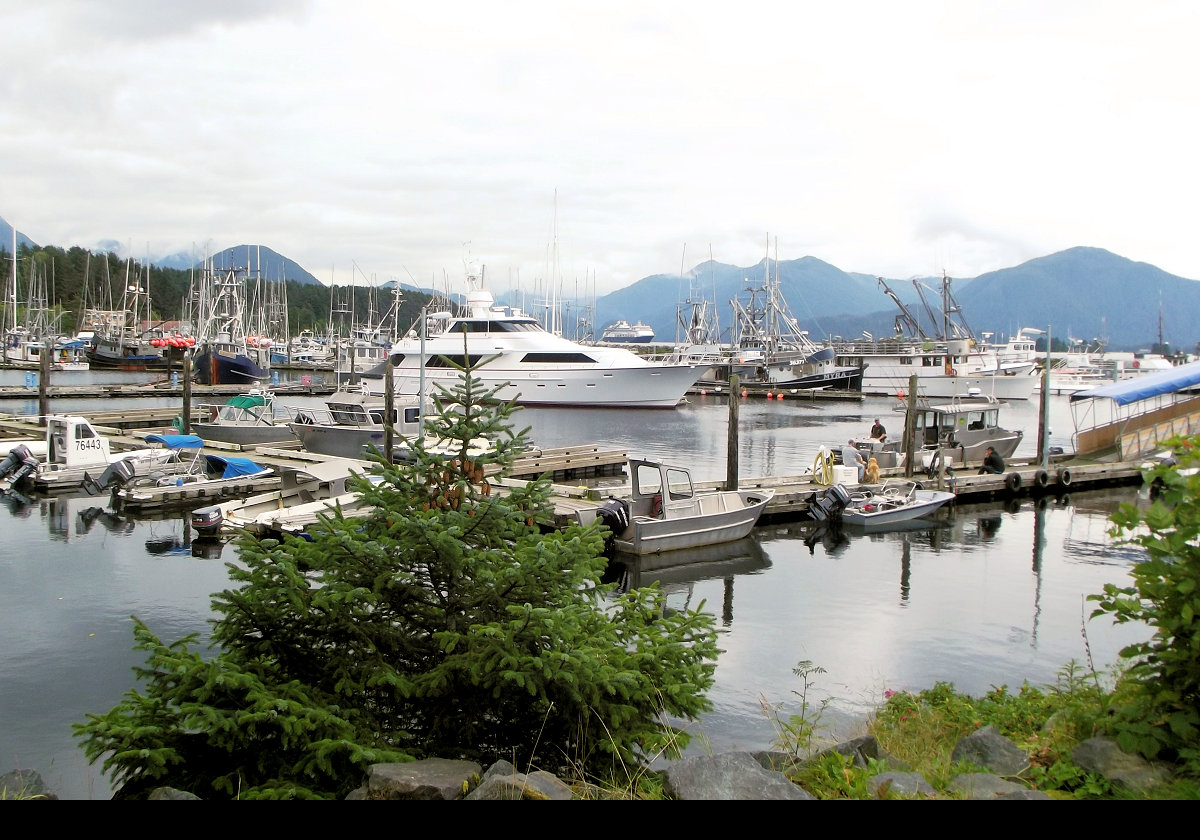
<point>455,619</point>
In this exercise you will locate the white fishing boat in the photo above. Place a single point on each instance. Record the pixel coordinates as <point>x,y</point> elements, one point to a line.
<point>353,424</point>
<point>75,453</point>
<point>666,512</point>
<point>946,358</point>
<point>511,350</point>
<point>303,493</point>
<point>953,433</point>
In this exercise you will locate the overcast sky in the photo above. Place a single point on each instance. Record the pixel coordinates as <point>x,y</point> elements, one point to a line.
<point>588,145</point>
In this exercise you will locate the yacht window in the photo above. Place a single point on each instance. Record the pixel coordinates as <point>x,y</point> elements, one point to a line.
<point>558,358</point>
<point>412,415</point>
<point>443,361</point>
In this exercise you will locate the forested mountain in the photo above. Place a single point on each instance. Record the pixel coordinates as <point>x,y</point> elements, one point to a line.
<point>1082,293</point>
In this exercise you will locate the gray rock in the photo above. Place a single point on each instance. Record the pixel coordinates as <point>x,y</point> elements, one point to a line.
<point>988,749</point>
<point>430,778</point>
<point>889,785</point>
<point>991,786</point>
<point>728,776</point>
<point>1104,757</point>
<point>538,785</point>
<point>24,784</point>
<point>170,793</point>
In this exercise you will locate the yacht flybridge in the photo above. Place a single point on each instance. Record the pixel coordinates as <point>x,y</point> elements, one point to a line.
<point>507,347</point>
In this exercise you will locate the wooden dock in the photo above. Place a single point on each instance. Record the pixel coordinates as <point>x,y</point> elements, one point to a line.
<point>585,475</point>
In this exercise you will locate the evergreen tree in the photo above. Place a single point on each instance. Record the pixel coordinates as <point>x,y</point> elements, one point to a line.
<point>456,619</point>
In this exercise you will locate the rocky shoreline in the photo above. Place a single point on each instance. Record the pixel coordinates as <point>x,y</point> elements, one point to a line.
<point>727,776</point>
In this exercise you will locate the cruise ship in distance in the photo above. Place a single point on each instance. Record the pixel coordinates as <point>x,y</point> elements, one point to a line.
<point>622,332</point>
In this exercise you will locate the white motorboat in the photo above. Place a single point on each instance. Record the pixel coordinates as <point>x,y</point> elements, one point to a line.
<point>509,349</point>
<point>193,477</point>
<point>304,492</point>
<point>666,512</point>
<point>353,423</point>
<point>75,453</point>
<point>878,507</point>
<point>897,500</point>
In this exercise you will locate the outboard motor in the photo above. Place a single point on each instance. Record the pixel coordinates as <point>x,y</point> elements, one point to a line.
<point>18,464</point>
<point>117,473</point>
<point>615,514</point>
<point>207,521</point>
<point>830,503</point>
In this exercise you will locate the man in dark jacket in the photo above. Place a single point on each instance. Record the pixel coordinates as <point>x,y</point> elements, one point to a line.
<point>992,462</point>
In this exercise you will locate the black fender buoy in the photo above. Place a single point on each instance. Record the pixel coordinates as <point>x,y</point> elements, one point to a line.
<point>1064,477</point>
<point>1042,478</point>
<point>1012,481</point>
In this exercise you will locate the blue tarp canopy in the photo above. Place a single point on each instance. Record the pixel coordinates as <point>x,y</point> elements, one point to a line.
<point>234,467</point>
<point>176,441</point>
<point>1144,385</point>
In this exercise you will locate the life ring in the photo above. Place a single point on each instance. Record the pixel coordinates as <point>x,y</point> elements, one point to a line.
<point>1042,478</point>
<point>1064,477</point>
<point>1012,481</point>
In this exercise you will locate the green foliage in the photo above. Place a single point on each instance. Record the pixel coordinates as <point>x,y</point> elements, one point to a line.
<point>453,620</point>
<point>795,735</point>
<point>1157,710</point>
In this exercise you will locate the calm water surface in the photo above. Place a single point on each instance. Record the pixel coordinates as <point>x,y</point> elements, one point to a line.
<point>992,595</point>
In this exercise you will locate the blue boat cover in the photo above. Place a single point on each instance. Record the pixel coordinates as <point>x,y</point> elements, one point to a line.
<point>234,467</point>
<point>1144,385</point>
<point>176,441</point>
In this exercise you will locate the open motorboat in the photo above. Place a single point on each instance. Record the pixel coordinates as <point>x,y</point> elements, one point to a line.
<point>193,476</point>
<point>304,492</point>
<point>72,454</point>
<point>248,419</point>
<point>666,512</point>
<point>511,350</point>
<point>896,501</point>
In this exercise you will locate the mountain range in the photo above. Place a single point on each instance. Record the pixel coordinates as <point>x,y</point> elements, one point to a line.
<point>1082,294</point>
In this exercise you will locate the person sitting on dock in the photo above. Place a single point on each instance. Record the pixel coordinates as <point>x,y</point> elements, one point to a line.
<point>851,457</point>
<point>992,462</point>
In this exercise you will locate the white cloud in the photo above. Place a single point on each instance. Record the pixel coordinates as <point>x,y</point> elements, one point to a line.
<point>893,139</point>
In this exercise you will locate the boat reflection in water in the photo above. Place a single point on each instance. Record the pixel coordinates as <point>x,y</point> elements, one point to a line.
<point>992,595</point>
<point>676,572</point>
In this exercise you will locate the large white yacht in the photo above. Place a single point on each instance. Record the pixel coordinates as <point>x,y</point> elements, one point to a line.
<point>507,347</point>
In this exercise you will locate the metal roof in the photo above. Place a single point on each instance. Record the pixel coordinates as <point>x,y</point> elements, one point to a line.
<point>1143,386</point>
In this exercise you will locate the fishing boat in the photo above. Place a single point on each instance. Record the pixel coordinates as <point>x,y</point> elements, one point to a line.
<point>249,419</point>
<point>510,350</point>
<point>769,347</point>
<point>942,352</point>
<point>623,332</point>
<point>192,477</point>
<point>222,355</point>
<point>953,432</point>
<point>75,455</point>
<point>666,512</point>
<point>304,491</point>
<point>354,424</point>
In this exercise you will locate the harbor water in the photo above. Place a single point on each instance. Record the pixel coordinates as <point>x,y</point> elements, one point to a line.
<point>987,595</point>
